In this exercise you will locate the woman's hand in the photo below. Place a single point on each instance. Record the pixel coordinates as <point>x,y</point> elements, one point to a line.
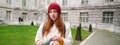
<point>55,38</point>
<point>58,39</point>
<point>39,43</point>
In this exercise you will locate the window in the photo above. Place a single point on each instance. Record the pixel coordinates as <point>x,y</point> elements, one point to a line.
<point>23,3</point>
<point>84,1</point>
<point>109,0</point>
<point>35,3</point>
<point>64,2</point>
<point>8,1</point>
<point>84,16</point>
<point>107,17</point>
<point>35,16</point>
<point>8,15</point>
<point>64,16</point>
<point>24,15</point>
<point>48,2</point>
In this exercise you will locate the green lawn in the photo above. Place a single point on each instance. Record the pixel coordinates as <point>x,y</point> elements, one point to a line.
<point>84,34</point>
<point>24,34</point>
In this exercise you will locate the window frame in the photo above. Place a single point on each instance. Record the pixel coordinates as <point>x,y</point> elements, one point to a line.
<point>64,2</point>
<point>35,16</point>
<point>8,15</point>
<point>107,17</point>
<point>65,16</point>
<point>83,2</point>
<point>24,3</point>
<point>84,16</point>
<point>9,2</point>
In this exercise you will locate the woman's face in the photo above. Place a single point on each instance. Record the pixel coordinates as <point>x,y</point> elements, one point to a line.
<point>53,14</point>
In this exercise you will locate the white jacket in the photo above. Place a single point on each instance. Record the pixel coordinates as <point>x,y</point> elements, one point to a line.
<point>54,32</point>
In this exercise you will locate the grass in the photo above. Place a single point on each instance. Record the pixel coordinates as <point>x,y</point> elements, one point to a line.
<point>84,34</point>
<point>17,35</point>
<point>24,34</point>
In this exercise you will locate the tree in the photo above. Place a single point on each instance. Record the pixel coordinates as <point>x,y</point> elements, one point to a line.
<point>32,23</point>
<point>90,28</point>
<point>78,33</point>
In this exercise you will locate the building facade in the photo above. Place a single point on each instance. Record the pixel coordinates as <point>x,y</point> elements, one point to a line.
<point>102,14</point>
<point>12,10</point>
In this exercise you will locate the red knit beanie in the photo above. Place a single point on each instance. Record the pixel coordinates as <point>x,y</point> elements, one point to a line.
<point>54,5</point>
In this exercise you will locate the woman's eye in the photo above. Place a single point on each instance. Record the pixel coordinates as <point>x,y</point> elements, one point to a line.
<point>50,12</point>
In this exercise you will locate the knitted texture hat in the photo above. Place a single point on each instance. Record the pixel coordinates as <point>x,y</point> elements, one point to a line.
<point>54,5</point>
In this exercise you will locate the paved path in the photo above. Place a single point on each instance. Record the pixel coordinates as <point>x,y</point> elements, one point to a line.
<point>102,37</point>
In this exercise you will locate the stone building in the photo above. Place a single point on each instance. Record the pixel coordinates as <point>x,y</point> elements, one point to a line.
<point>11,10</point>
<point>102,14</point>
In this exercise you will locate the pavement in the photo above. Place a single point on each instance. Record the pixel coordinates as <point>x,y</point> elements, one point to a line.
<point>102,37</point>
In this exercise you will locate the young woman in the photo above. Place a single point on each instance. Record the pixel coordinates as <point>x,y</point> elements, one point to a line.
<point>54,31</point>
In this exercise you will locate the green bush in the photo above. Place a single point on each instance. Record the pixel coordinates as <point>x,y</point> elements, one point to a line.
<point>90,28</point>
